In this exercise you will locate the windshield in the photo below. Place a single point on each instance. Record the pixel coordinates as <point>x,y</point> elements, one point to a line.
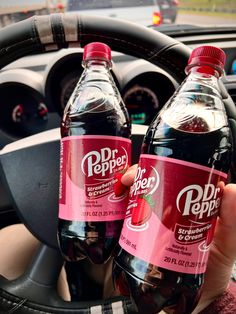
<point>146,12</point>
<point>75,5</point>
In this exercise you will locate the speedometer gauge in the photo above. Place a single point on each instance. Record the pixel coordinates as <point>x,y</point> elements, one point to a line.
<point>22,110</point>
<point>142,104</point>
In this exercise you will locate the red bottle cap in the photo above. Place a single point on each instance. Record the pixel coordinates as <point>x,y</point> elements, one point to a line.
<point>97,50</point>
<point>207,56</point>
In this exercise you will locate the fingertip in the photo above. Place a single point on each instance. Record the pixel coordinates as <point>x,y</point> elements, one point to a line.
<point>229,191</point>
<point>128,177</point>
<point>228,205</point>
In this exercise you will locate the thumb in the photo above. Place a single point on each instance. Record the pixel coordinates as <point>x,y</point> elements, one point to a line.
<point>128,177</point>
<point>225,234</point>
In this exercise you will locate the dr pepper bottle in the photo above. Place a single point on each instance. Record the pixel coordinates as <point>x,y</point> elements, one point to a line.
<point>95,149</point>
<point>176,195</point>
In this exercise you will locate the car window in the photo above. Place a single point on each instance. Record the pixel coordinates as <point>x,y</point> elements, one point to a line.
<point>155,12</point>
<point>103,4</point>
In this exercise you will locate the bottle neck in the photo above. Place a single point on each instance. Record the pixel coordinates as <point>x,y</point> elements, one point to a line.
<point>100,65</point>
<point>204,71</point>
<point>202,78</point>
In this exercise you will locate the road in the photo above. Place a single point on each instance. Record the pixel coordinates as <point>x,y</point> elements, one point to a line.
<point>186,18</point>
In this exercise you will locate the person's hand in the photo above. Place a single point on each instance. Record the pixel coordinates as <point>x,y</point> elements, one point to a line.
<point>223,248</point>
<point>222,252</point>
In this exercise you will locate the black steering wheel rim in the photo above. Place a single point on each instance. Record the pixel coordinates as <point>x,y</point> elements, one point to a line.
<point>41,34</point>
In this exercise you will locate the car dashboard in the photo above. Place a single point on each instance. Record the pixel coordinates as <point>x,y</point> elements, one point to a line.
<point>34,90</point>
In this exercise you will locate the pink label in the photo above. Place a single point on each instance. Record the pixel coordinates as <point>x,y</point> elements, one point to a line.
<point>172,213</point>
<point>88,168</point>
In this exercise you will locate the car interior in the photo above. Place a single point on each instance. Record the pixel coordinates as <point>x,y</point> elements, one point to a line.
<point>40,66</point>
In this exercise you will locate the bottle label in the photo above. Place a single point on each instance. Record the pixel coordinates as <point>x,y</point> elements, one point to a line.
<point>172,213</point>
<point>88,168</point>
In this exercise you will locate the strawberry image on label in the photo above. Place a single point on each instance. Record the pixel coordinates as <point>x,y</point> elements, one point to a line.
<point>142,212</point>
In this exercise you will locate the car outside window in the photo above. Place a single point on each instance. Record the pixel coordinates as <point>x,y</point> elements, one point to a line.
<point>104,4</point>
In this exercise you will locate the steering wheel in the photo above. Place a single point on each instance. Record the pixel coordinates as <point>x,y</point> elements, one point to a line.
<point>34,193</point>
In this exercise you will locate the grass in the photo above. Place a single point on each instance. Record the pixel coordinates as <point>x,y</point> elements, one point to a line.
<point>223,8</point>
<point>209,4</point>
<point>210,13</point>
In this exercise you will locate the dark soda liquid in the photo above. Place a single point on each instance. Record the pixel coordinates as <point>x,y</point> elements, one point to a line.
<point>95,240</point>
<point>154,288</point>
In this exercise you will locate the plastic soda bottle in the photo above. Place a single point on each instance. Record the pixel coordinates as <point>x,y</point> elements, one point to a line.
<point>95,147</point>
<point>175,198</point>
